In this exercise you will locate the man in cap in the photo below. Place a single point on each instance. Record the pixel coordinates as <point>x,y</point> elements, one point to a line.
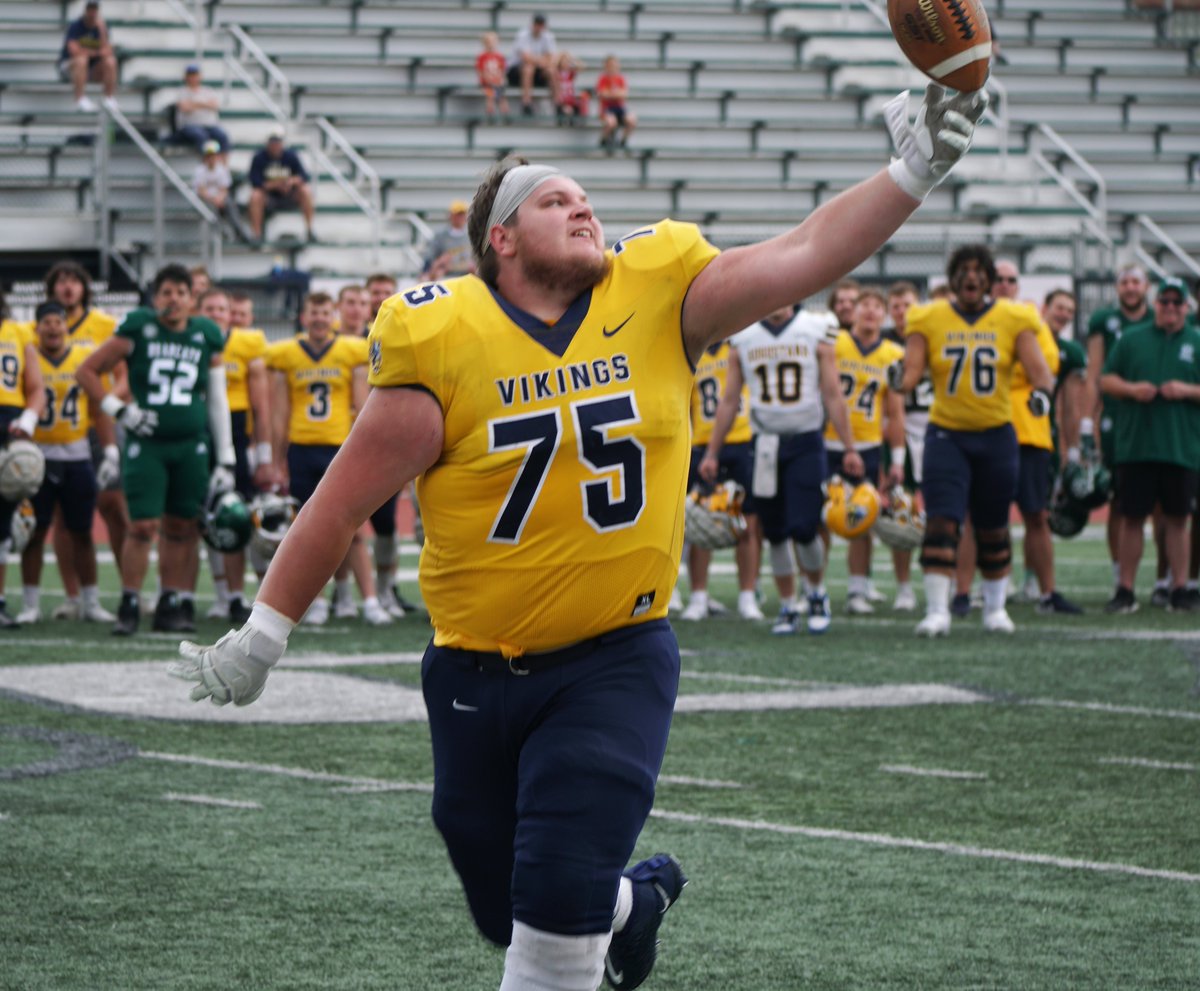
<point>1154,373</point>
<point>197,113</point>
<point>449,253</point>
<point>542,406</point>
<point>278,181</point>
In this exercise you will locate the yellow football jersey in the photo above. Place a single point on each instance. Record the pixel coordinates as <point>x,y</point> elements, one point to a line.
<point>555,512</point>
<point>970,360</point>
<point>14,339</point>
<point>706,393</point>
<point>319,383</point>
<point>94,327</point>
<point>242,346</point>
<point>67,415</point>
<point>1034,431</point>
<point>863,377</point>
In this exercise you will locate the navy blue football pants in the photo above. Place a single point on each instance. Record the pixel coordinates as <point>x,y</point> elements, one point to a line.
<point>543,780</point>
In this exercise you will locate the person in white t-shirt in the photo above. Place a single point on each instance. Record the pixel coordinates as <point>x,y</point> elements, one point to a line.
<point>197,113</point>
<point>532,62</point>
<point>213,183</point>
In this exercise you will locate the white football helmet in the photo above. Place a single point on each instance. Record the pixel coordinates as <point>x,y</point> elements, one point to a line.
<point>715,520</point>
<point>24,522</point>
<point>271,515</point>
<point>900,524</point>
<point>22,468</point>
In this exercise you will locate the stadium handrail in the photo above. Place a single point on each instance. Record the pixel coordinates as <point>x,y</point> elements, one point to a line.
<point>1099,209</point>
<point>1141,223</point>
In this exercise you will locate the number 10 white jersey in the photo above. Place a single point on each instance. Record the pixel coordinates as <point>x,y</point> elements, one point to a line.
<point>779,364</point>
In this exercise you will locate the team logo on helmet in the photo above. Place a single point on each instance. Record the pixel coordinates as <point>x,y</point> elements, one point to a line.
<point>849,512</point>
<point>900,524</point>
<point>22,468</point>
<point>714,519</point>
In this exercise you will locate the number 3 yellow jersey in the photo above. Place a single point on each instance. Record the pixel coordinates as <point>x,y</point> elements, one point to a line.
<point>970,360</point>
<point>706,393</point>
<point>863,377</point>
<point>555,512</point>
<point>319,385</point>
<point>67,415</point>
<point>242,346</point>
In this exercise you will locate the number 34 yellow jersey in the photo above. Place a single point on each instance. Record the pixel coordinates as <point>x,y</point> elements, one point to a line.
<point>555,512</point>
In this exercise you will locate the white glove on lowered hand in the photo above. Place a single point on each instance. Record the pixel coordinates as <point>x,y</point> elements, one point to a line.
<point>220,481</point>
<point>108,472</point>
<point>130,415</point>
<point>931,145</point>
<point>234,669</point>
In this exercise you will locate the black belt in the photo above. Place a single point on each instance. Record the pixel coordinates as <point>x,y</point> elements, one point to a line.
<point>529,663</point>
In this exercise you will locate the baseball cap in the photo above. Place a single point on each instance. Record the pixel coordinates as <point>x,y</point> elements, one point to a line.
<point>1173,283</point>
<point>459,206</point>
<point>47,308</point>
<point>211,148</point>
<point>277,133</point>
<point>190,68</point>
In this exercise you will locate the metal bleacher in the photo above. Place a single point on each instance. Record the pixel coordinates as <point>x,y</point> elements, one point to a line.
<point>751,113</point>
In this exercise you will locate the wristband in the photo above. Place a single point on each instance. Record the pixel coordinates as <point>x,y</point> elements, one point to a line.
<point>898,455</point>
<point>1073,455</point>
<point>262,453</point>
<point>111,405</point>
<point>27,421</point>
<point>1086,426</point>
<point>270,621</point>
<point>911,183</point>
<point>112,452</point>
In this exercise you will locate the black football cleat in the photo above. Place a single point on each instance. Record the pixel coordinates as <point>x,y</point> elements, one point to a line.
<point>657,883</point>
<point>128,613</point>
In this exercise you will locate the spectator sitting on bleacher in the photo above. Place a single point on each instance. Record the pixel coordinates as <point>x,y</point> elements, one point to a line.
<point>613,93</point>
<point>449,253</point>
<point>532,62</point>
<point>279,182</point>
<point>196,113</point>
<point>87,55</point>
<point>212,182</point>
<point>489,66</point>
<point>572,104</point>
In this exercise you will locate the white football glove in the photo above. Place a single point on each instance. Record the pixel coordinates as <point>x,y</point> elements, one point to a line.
<point>1039,402</point>
<point>220,481</point>
<point>931,145</point>
<point>234,669</point>
<point>108,472</point>
<point>133,418</point>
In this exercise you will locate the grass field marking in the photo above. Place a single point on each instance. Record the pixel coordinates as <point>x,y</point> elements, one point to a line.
<point>1119,710</point>
<point>225,803</point>
<point>679,779</point>
<point>933,772</point>
<point>750,679</point>
<point>1155,765</point>
<point>321,659</point>
<point>287,772</point>
<point>56,642</point>
<point>835,697</point>
<point>953,849</point>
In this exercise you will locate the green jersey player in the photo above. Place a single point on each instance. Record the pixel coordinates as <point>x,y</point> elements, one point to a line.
<point>177,381</point>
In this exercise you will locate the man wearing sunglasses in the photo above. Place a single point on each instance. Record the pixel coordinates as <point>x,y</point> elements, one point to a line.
<point>1154,372</point>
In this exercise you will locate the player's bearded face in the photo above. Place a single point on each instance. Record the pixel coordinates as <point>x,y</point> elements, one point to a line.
<point>560,243</point>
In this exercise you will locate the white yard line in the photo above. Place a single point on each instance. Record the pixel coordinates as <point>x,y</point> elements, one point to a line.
<point>954,849</point>
<point>287,772</point>
<point>225,803</point>
<point>677,779</point>
<point>932,772</point>
<point>1156,765</point>
<point>1119,710</point>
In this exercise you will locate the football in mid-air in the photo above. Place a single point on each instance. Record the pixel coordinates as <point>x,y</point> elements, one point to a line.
<point>948,40</point>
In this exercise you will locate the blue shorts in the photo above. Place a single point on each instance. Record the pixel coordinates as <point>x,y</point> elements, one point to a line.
<point>795,509</point>
<point>872,457</point>
<point>307,464</point>
<point>736,461</point>
<point>970,471</point>
<point>72,485</point>
<point>543,780</point>
<point>243,477</point>
<point>1034,479</point>
<point>383,520</point>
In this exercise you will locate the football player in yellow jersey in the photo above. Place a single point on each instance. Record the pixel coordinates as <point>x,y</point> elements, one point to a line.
<point>736,462</point>
<point>22,400</point>
<point>542,405</point>
<point>70,484</point>
<point>68,283</point>
<point>320,385</point>
<point>863,357</point>
<point>970,346</point>
<point>248,389</point>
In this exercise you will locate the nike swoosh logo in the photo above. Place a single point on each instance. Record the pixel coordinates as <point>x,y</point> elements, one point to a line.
<point>612,333</point>
<point>464,708</point>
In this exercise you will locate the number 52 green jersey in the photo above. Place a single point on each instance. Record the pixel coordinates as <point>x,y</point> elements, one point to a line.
<point>168,370</point>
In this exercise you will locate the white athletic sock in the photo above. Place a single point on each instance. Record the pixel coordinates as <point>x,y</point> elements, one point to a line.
<point>341,590</point>
<point>29,596</point>
<point>624,906</point>
<point>747,597</point>
<point>542,961</point>
<point>994,591</point>
<point>857,585</point>
<point>91,595</point>
<point>221,587</point>
<point>789,603</point>
<point>904,588</point>
<point>700,597</point>
<point>937,594</point>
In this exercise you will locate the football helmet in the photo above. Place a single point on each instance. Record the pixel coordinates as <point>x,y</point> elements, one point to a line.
<point>1086,483</point>
<point>270,515</point>
<point>225,523</point>
<point>22,468</point>
<point>900,524</point>
<point>24,522</point>
<point>714,519</point>
<point>849,512</point>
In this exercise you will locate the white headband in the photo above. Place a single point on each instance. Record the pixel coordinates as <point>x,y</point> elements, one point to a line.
<point>515,187</point>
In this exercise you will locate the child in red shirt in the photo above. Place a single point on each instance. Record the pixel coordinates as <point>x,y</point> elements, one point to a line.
<point>612,91</point>
<point>490,68</point>
<point>572,104</point>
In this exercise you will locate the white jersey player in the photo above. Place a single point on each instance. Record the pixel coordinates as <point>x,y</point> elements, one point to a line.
<point>787,361</point>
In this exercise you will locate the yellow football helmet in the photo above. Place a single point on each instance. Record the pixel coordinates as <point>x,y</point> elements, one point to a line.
<point>715,520</point>
<point>900,525</point>
<point>849,512</point>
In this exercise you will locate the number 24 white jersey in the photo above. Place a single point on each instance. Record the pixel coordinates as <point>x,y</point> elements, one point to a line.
<point>779,364</point>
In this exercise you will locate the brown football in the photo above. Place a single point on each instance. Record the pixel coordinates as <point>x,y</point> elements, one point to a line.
<point>948,40</point>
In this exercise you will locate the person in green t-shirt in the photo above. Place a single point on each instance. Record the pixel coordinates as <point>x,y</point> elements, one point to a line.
<point>1154,374</point>
<point>1070,388</point>
<point>177,381</point>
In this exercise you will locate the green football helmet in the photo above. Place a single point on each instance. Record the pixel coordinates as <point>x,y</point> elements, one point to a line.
<point>225,523</point>
<point>1086,483</point>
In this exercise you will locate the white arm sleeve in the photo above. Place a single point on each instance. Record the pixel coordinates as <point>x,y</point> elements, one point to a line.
<point>218,416</point>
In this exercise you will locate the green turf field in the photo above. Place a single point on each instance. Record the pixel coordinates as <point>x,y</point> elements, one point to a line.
<point>859,810</point>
